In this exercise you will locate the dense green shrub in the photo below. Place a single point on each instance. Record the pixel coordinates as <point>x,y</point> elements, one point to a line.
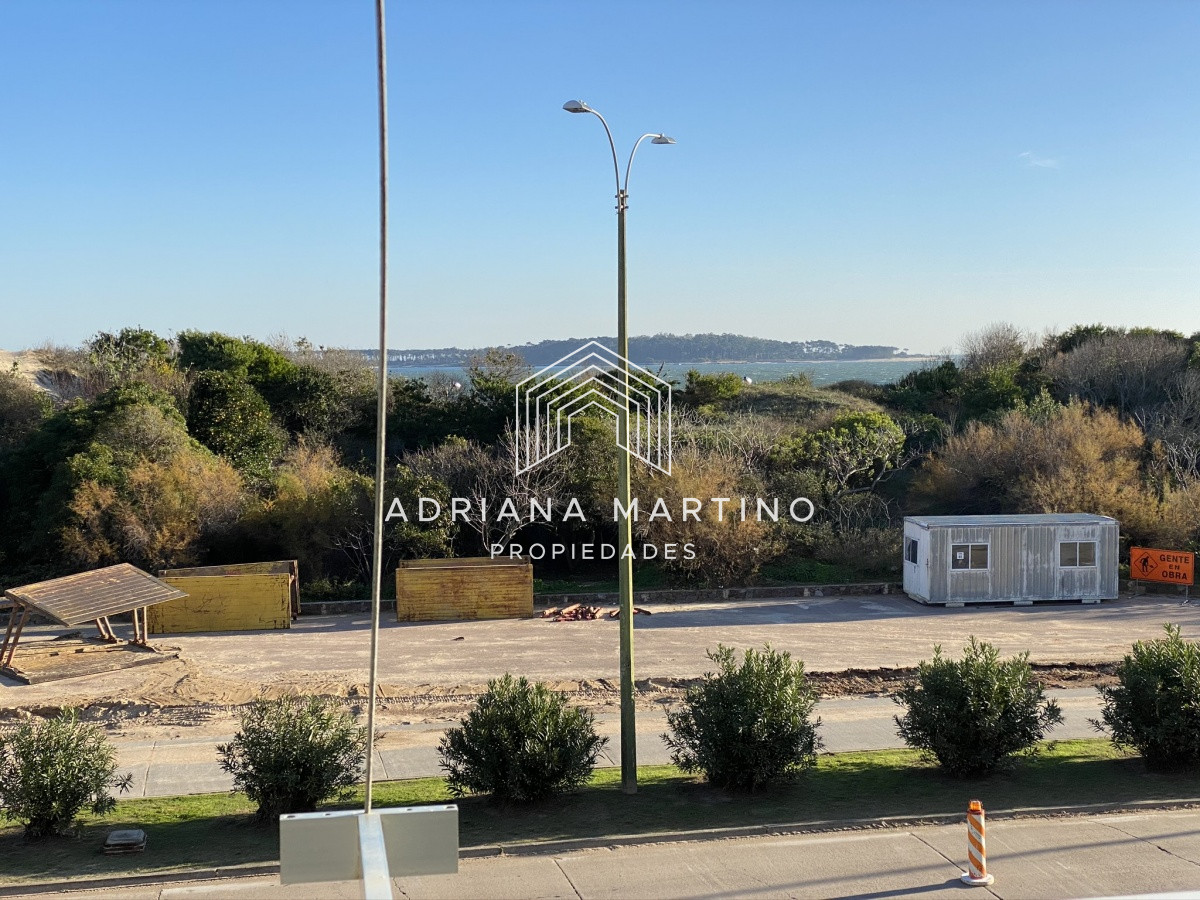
<point>229,417</point>
<point>128,353</point>
<point>712,388</point>
<point>521,742</point>
<point>974,714</point>
<point>211,351</point>
<point>749,725</point>
<point>53,769</point>
<point>292,753</point>
<point>306,400</point>
<point>39,477</point>
<point>852,454</point>
<point>1155,705</point>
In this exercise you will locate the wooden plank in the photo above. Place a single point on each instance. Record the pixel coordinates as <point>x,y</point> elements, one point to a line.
<point>71,657</point>
<point>224,603</point>
<point>441,593</point>
<point>86,596</point>
<point>277,567</point>
<point>463,562</point>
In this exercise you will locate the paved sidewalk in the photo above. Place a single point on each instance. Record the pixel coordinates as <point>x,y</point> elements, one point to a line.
<point>188,765</point>
<point>1093,856</point>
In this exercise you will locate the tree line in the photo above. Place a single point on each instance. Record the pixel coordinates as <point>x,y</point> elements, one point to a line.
<point>208,448</point>
<point>664,348</point>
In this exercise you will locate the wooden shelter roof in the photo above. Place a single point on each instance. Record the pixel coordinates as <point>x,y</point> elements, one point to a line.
<point>76,599</point>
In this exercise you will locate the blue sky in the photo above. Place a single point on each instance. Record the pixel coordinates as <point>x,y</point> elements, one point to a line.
<point>868,172</point>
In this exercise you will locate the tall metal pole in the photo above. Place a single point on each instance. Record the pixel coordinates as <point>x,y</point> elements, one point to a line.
<point>625,530</point>
<point>624,527</point>
<point>381,406</point>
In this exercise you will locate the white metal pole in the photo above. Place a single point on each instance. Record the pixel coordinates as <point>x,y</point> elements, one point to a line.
<point>381,408</point>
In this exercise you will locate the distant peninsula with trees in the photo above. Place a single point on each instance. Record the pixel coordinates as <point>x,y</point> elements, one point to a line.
<point>665,348</point>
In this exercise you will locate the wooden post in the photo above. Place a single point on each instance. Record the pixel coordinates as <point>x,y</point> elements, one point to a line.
<point>12,623</point>
<point>11,647</point>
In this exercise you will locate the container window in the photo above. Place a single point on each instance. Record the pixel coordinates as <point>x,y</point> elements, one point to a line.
<point>968,556</point>
<point>1076,554</point>
<point>979,556</point>
<point>910,550</point>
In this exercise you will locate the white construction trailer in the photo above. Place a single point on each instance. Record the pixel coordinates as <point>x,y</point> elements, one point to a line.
<point>1019,559</point>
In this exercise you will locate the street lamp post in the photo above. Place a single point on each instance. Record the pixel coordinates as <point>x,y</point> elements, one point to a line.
<point>625,533</point>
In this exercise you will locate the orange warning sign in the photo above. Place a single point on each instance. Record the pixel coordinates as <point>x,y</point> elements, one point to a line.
<point>1167,566</point>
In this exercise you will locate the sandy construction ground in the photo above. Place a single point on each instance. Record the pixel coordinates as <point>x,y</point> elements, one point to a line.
<point>429,672</point>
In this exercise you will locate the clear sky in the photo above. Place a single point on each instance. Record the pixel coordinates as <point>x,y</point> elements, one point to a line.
<point>868,172</point>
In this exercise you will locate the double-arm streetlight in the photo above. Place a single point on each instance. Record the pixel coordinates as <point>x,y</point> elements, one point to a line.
<point>625,533</point>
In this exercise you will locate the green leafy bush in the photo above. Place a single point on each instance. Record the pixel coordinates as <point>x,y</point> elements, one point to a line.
<point>749,725</point>
<point>127,354</point>
<point>211,351</point>
<point>53,769</point>
<point>521,743</point>
<point>973,715</point>
<point>228,416</point>
<point>702,389</point>
<point>292,753</point>
<point>1155,705</point>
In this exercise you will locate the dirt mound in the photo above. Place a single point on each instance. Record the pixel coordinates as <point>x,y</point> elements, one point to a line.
<point>177,693</point>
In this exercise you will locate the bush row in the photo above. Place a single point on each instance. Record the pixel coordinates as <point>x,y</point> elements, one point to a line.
<point>747,725</point>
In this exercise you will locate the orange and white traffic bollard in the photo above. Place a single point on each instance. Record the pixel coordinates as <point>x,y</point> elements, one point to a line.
<point>976,848</point>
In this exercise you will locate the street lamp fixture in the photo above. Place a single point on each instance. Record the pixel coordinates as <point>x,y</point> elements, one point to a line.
<point>624,528</point>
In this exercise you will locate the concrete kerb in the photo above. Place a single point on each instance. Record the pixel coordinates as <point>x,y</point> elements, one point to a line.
<point>171,876</point>
<point>544,848</point>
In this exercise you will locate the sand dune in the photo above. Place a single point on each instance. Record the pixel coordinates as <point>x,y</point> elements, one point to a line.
<point>30,367</point>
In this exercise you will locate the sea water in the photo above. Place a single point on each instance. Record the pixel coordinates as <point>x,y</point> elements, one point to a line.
<point>877,371</point>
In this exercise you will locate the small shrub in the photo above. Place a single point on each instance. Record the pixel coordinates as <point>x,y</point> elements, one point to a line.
<point>858,387</point>
<point>521,743</point>
<point>702,390</point>
<point>975,714</point>
<point>748,725</point>
<point>1155,705</point>
<point>292,753</point>
<point>53,769</point>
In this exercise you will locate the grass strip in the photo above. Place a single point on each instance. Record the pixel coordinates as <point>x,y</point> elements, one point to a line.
<point>214,830</point>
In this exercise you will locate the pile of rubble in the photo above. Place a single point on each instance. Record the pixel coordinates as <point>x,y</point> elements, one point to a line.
<point>577,612</point>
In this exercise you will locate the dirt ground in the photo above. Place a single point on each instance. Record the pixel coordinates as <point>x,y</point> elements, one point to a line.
<point>431,672</point>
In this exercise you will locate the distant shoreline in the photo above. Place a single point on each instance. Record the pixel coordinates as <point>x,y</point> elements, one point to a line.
<point>393,364</point>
